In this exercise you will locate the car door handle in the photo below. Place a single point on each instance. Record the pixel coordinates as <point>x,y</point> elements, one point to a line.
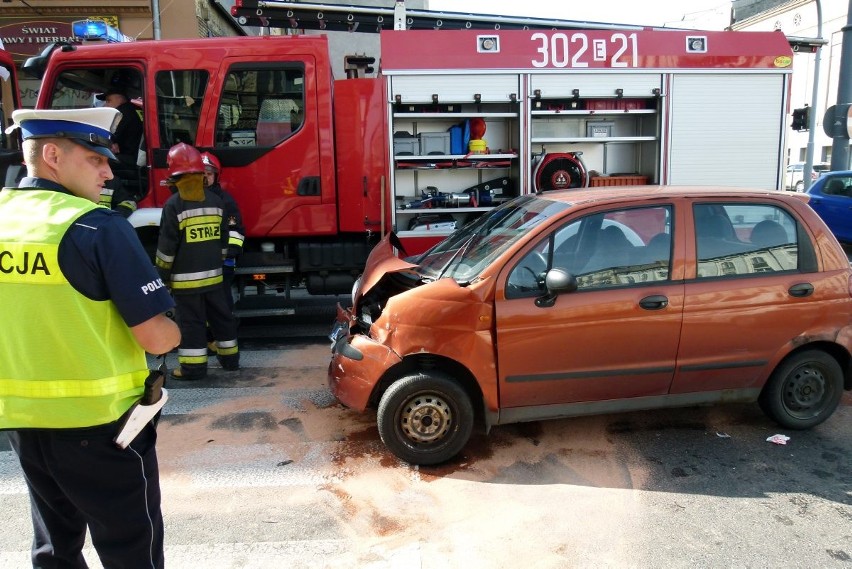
<point>801,290</point>
<point>654,302</point>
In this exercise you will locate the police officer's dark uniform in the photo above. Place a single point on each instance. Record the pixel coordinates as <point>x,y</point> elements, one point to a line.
<point>73,280</point>
<point>192,244</point>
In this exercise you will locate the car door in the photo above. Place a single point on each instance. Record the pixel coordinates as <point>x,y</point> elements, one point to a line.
<point>754,286</point>
<point>616,336</point>
<point>833,203</point>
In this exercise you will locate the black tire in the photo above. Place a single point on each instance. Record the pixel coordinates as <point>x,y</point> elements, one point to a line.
<point>803,391</point>
<point>425,418</point>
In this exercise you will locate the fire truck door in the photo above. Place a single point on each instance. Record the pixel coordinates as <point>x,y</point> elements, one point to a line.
<point>263,122</point>
<point>10,155</point>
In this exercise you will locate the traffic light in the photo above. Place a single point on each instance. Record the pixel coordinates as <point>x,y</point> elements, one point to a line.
<point>800,118</point>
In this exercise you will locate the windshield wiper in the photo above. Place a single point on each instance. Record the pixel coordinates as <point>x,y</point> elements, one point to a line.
<point>459,254</point>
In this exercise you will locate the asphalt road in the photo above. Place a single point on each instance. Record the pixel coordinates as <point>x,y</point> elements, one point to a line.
<point>262,468</point>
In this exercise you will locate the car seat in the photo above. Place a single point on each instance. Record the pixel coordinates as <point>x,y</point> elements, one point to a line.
<point>612,249</point>
<point>835,186</point>
<point>715,236</point>
<point>768,233</point>
<point>658,248</point>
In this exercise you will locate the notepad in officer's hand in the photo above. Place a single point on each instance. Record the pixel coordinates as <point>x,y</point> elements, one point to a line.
<point>144,411</point>
<point>136,420</point>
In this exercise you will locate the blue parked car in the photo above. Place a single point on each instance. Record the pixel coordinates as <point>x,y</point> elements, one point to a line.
<point>831,198</point>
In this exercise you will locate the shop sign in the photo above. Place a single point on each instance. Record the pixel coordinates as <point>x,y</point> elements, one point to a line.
<point>25,37</point>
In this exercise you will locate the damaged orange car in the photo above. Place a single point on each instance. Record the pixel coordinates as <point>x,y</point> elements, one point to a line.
<point>596,301</point>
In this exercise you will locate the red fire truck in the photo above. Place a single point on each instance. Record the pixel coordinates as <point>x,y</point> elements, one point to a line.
<point>10,154</point>
<point>321,168</point>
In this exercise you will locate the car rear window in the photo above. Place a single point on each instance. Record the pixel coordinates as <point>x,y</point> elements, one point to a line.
<point>744,239</point>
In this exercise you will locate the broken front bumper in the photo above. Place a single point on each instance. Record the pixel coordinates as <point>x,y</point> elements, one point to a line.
<point>357,363</point>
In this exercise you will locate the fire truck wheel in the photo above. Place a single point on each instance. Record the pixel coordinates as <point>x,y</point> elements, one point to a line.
<point>425,418</point>
<point>803,391</point>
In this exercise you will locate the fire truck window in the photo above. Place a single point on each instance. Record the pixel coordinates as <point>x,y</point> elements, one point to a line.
<point>260,107</point>
<point>11,169</point>
<point>180,95</point>
<point>79,88</point>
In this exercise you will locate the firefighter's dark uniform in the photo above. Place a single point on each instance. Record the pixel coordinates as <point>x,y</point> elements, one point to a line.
<point>192,244</point>
<point>236,237</point>
<point>119,199</point>
<point>70,368</point>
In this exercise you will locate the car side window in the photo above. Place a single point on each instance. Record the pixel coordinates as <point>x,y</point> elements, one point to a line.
<point>838,186</point>
<point>733,240</point>
<point>614,248</point>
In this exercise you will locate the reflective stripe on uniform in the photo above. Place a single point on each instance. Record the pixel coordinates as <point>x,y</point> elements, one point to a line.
<point>192,355</point>
<point>106,197</point>
<point>129,204</point>
<point>227,347</point>
<point>201,212</point>
<point>236,238</point>
<point>59,388</point>
<point>196,280</point>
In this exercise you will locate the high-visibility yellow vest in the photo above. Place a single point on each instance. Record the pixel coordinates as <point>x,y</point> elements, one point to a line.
<point>66,361</point>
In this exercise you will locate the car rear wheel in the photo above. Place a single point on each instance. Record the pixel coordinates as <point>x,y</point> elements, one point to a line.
<point>425,418</point>
<point>803,391</point>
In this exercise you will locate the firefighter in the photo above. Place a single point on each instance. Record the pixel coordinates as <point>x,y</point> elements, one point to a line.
<point>119,199</point>
<point>192,246</point>
<point>128,133</point>
<point>236,231</point>
<point>119,194</point>
<point>81,304</point>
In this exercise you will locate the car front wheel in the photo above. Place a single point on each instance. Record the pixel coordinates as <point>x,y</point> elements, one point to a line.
<point>803,391</point>
<point>425,418</point>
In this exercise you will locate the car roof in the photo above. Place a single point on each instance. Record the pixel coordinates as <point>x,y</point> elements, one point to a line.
<point>628,193</point>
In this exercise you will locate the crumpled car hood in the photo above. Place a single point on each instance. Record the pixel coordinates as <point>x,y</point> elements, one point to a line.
<point>382,260</point>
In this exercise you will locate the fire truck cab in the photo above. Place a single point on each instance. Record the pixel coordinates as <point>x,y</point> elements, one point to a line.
<point>264,107</point>
<point>11,168</point>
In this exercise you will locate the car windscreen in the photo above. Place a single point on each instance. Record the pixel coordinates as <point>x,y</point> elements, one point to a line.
<point>467,252</point>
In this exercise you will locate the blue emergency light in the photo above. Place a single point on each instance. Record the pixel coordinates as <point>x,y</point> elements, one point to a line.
<point>97,30</point>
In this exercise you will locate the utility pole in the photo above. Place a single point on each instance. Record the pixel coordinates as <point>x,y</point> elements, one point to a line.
<point>809,154</point>
<point>840,143</point>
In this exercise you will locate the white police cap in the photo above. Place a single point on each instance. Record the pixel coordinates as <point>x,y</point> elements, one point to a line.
<point>90,127</point>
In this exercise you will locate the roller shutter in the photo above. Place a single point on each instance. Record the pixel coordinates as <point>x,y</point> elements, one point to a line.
<point>726,129</point>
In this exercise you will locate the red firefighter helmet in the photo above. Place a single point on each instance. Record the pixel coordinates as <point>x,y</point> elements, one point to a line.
<point>184,159</point>
<point>210,161</point>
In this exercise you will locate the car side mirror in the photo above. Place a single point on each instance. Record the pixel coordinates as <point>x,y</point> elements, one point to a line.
<point>556,282</point>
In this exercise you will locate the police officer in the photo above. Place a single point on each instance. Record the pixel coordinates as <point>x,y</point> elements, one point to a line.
<point>236,231</point>
<point>81,305</point>
<point>190,251</point>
